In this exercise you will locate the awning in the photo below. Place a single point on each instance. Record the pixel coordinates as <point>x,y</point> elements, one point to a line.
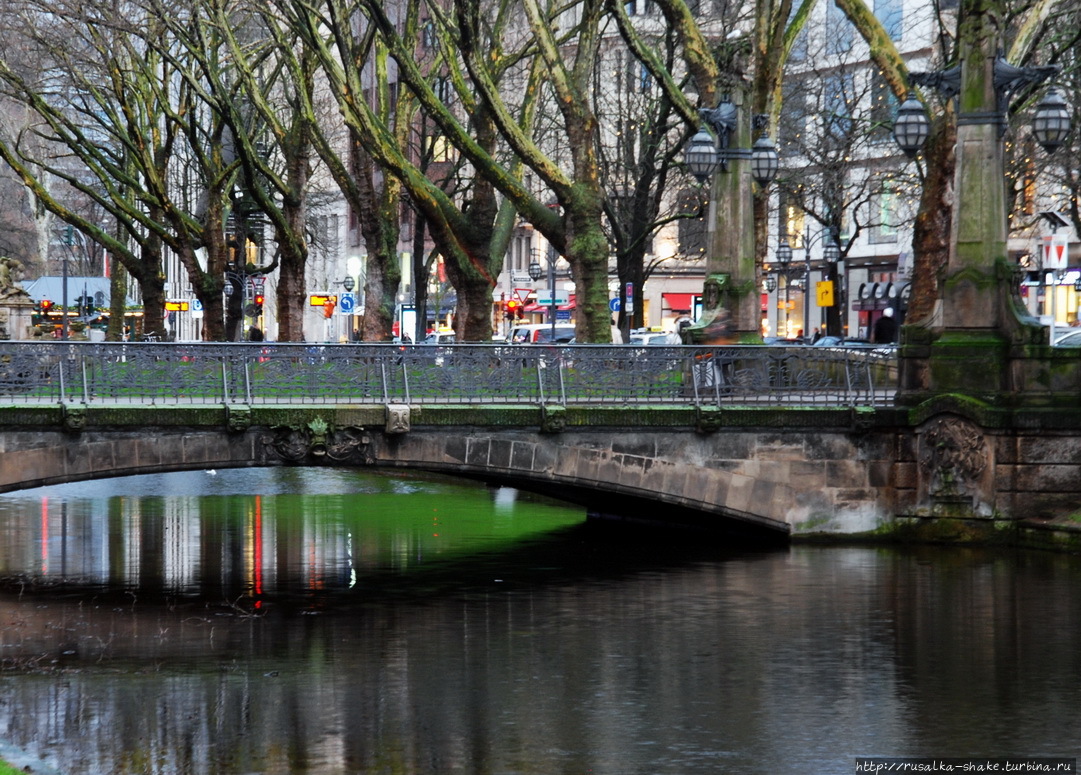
<point>533,308</point>
<point>571,304</point>
<point>677,302</point>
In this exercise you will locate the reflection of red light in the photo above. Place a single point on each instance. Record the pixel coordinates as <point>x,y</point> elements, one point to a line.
<point>258,549</point>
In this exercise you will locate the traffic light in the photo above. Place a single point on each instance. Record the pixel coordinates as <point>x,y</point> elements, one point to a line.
<point>514,310</point>
<point>46,305</point>
<point>258,303</point>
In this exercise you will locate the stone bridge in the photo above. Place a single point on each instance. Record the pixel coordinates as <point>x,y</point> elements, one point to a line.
<point>774,463</point>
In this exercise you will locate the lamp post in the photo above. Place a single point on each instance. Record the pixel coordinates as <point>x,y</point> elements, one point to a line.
<point>233,279</point>
<point>835,315</point>
<point>723,145</point>
<point>535,273</point>
<point>977,308</point>
<point>784,257</point>
<point>769,285</point>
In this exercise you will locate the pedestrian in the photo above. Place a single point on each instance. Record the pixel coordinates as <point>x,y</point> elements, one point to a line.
<point>816,335</point>
<point>885,330</point>
<point>617,335</point>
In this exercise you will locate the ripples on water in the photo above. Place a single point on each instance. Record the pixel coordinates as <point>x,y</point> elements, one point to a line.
<point>319,621</point>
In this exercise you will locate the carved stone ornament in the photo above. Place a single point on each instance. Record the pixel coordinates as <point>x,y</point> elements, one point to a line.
<point>238,418</point>
<point>397,419</point>
<point>707,419</point>
<point>954,452</point>
<point>74,418</point>
<point>319,441</point>
<point>553,418</point>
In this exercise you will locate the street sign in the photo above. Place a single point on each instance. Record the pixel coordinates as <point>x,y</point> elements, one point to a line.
<point>347,303</point>
<point>521,294</point>
<point>320,299</point>
<point>613,305</point>
<point>196,305</point>
<point>544,298</point>
<point>1056,249</point>
<point>176,306</point>
<point>824,292</point>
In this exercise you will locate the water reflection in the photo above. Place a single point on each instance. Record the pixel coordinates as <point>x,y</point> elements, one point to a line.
<point>258,533</point>
<point>572,650</point>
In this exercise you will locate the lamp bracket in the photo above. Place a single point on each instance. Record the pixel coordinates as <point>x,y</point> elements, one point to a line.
<point>723,121</point>
<point>1009,77</point>
<point>945,82</point>
<point>1006,77</point>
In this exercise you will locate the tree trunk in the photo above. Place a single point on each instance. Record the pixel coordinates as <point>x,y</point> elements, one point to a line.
<point>931,232</point>
<point>587,252</point>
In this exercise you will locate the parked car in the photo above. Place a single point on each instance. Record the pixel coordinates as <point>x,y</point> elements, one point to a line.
<point>536,333</point>
<point>1069,338</point>
<point>653,337</point>
<point>440,337</point>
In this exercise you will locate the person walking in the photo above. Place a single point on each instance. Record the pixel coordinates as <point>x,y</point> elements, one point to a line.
<point>885,330</point>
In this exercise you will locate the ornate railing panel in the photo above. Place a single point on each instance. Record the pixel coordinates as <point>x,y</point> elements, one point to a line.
<point>446,374</point>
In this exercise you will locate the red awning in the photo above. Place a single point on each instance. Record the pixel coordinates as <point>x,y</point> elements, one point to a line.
<point>533,308</point>
<point>677,302</point>
<point>571,303</point>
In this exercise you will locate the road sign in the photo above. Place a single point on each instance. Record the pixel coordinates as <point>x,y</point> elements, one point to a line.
<point>544,298</point>
<point>613,305</point>
<point>1056,248</point>
<point>178,305</point>
<point>521,294</point>
<point>320,299</point>
<point>347,303</point>
<point>196,305</point>
<point>824,292</point>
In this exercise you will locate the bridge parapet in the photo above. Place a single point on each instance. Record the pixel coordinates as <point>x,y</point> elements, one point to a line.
<point>582,375</point>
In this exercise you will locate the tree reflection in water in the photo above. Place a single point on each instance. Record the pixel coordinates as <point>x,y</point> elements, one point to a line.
<point>425,626</point>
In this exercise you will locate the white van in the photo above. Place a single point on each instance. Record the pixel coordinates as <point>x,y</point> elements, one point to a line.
<point>540,333</point>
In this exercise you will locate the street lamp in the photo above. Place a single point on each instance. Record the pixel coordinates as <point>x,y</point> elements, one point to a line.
<point>536,273</point>
<point>233,279</point>
<point>971,306</point>
<point>911,127</point>
<point>704,155</point>
<point>1050,124</point>
<point>701,155</point>
<point>784,257</point>
<point>831,252</point>
<point>725,143</point>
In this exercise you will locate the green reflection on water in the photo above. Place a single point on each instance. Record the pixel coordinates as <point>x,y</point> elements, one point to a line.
<point>262,531</point>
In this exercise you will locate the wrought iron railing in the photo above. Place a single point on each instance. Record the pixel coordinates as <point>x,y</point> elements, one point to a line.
<point>204,373</point>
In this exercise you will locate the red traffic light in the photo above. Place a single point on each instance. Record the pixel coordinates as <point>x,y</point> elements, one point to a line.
<point>259,299</point>
<point>514,309</point>
<point>46,305</point>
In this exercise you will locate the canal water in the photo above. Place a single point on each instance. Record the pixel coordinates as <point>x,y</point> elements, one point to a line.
<point>342,621</point>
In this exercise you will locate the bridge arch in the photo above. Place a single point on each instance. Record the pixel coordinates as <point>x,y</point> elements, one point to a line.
<point>774,482</point>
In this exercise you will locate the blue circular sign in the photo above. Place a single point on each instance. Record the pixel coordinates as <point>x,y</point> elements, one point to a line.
<point>613,305</point>
<point>347,302</point>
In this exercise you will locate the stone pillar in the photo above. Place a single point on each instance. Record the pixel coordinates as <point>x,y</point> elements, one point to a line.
<point>15,317</point>
<point>978,238</point>
<point>729,299</point>
<point>968,350</point>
